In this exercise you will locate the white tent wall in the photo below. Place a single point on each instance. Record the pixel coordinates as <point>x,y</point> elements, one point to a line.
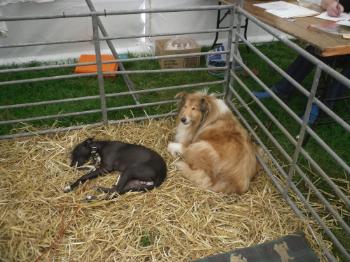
<point>185,21</point>
<point>80,28</point>
<point>196,21</point>
<point>51,30</point>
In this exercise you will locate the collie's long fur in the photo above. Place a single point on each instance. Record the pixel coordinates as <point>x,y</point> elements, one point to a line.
<point>217,152</point>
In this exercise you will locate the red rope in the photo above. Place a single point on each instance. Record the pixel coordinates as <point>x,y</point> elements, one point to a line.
<point>59,235</point>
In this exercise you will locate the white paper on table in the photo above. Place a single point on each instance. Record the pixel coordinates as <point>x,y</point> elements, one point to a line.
<point>325,16</point>
<point>297,11</point>
<point>344,22</point>
<point>274,5</point>
<point>286,10</point>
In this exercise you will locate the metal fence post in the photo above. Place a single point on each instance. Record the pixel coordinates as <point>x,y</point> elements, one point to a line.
<point>237,28</point>
<point>99,68</point>
<point>126,77</point>
<point>303,128</point>
<point>228,55</point>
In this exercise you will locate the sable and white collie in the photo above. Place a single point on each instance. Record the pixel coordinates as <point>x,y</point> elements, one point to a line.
<point>217,152</point>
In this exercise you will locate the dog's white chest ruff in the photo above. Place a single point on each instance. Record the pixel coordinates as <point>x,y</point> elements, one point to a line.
<point>182,133</point>
<point>222,107</point>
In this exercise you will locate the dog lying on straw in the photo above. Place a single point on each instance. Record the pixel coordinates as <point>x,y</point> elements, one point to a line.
<point>141,168</point>
<point>217,152</point>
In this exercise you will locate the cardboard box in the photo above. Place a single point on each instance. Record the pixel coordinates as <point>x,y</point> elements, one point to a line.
<point>187,45</point>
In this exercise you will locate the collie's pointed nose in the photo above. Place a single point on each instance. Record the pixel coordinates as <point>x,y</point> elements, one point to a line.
<point>183,120</point>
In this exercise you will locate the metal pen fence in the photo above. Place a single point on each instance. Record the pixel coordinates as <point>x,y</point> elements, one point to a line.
<point>98,28</point>
<point>285,183</point>
<point>232,81</point>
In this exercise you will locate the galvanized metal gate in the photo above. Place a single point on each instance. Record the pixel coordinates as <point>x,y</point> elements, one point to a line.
<point>284,183</point>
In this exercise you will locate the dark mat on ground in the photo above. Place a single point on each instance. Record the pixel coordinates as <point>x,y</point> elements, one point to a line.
<point>288,248</point>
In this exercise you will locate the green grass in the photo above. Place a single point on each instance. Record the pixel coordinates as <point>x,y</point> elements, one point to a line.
<point>336,137</point>
<point>147,239</point>
<point>72,88</point>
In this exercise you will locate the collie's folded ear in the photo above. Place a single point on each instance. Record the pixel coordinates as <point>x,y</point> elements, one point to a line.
<point>204,105</point>
<point>182,97</point>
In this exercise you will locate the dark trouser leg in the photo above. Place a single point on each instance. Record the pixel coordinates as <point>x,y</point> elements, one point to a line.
<point>334,90</point>
<point>298,70</point>
<point>337,89</point>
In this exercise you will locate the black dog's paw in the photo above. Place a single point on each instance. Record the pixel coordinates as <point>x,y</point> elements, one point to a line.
<point>67,189</point>
<point>111,196</point>
<point>90,198</point>
<point>104,190</point>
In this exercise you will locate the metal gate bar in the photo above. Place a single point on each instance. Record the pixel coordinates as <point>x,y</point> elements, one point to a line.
<point>340,121</point>
<point>67,129</point>
<point>154,71</point>
<point>110,95</point>
<point>291,113</point>
<point>115,38</point>
<point>298,86</point>
<point>126,78</point>
<point>333,73</point>
<point>119,12</point>
<point>292,184</point>
<point>99,69</point>
<point>136,59</point>
<point>283,182</point>
<point>298,150</point>
<point>303,152</point>
<point>107,38</point>
<point>274,179</point>
<point>110,109</point>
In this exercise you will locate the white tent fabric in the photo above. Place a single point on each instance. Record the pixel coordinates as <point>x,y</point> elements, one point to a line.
<point>186,21</point>
<point>3,25</point>
<point>5,2</point>
<point>80,28</point>
<point>52,30</point>
<point>3,28</point>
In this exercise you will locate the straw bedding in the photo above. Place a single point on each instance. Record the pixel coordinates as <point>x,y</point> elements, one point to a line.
<point>176,222</point>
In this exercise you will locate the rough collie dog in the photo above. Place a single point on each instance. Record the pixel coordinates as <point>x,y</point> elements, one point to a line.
<point>217,152</point>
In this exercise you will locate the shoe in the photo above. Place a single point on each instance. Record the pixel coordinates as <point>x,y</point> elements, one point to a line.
<point>262,95</point>
<point>275,89</point>
<point>315,111</point>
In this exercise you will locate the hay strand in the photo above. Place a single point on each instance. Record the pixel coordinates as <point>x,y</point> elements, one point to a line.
<point>176,222</point>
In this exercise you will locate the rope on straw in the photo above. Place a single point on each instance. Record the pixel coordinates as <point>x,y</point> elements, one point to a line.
<point>59,235</point>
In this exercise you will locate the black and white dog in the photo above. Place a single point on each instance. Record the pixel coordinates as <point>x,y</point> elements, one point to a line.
<point>141,168</point>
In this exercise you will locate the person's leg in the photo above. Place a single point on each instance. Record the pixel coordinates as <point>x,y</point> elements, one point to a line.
<point>334,91</point>
<point>314,114</point>
<point>298,70</point>
<point>337,89</point>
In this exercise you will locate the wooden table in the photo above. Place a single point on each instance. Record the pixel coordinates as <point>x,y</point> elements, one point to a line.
<point>327,44</point>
